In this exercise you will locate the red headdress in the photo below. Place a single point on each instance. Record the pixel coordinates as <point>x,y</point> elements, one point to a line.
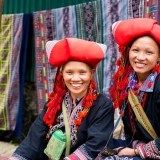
<point>124,33</point>
<point>59,53</point>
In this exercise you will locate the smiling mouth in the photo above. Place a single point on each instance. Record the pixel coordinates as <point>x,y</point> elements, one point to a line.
<point>76,85</point>
<point>139,64</point>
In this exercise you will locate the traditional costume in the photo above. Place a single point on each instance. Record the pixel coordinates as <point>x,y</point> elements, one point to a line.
<point>125,32</point>
<point>91,121</point>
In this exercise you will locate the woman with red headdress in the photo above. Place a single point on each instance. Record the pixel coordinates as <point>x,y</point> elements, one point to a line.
<point>137,88</point>
<point>90,115</point>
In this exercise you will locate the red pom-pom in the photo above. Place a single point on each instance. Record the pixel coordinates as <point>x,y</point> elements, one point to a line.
<point>119,61</point>
<point>120,111</point>
<point>122,114</point>
<point>150,84</point>
<point>80,114</point>
<point>137,86</point>
<point>58,107</point>
<point>116,105</point>
<point>77,121</point>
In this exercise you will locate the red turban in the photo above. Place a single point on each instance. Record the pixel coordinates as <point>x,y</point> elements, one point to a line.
<point>125,31</point>
<point>62,51</point>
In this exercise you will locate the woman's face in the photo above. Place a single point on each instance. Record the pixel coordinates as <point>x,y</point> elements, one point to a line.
<point>77,76</point>
<point>143,56</point>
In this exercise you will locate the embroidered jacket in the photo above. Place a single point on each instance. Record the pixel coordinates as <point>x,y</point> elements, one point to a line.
<point>149,148</point>
<point>92,135</point>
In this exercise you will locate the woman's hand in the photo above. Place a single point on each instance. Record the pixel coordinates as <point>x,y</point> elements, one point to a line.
<point>127,151</point>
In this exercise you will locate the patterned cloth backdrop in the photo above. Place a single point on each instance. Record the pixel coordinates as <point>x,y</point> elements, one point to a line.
<point>10,44</point>
<point>82,21</point>
<point>91,21</point>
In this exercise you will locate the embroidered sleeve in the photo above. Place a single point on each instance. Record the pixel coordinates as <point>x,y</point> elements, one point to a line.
<point>16,157</point>
<point>80,153</point>
<point>149,150</point>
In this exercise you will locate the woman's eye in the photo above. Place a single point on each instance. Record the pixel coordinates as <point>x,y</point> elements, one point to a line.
<point>82,72</point>
<point>149,52</point>
<point>135,50</point>
<point>68,72</point>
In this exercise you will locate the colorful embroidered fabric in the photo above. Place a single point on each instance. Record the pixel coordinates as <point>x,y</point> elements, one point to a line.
<point>10,44</point>
<point>145,87</point>
<point>91,21</point>
<point>58,24</point>
<point>62,22</point>
<point>72,115</point>
<point>16,157</point>
<point>152,9</point>
<point>141,92</point>
<point>79,154</point>
<point>148,150</point>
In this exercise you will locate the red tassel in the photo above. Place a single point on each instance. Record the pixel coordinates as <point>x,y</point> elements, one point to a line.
<point>77,121</point>
<point>119,61</point>
<point>116,105</point>
<point>121,49</point>
<point>122,113</point>
<point>156,68</point>
<point>150,84</point>
<point>137,86</point>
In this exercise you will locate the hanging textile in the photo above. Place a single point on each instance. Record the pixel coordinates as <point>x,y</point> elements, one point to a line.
<point>13,50</point>
<point>152,9</point>
<point>10,43</point>
<point>91,21</point>
<point>81,21</point>
<point>22,70</point>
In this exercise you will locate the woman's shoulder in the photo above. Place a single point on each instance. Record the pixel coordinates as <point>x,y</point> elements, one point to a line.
<point>158,78</point>
<point>103,100</point>
<point>156,89</point>
<point>103,97</point>
<point>157,81</point>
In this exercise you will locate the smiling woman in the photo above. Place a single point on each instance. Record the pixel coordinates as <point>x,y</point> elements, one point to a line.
<point>90,114</point>
<point>143,56</point>
<point>77,78</point>
<point>137,88</point>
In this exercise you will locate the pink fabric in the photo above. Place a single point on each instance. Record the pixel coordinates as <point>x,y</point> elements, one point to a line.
<point>76,155</point>
<point>148,150</point>
<point>3,158</point>
<point>80,154</point>
<point>72,157</point>
<point>11,158</point>
<point>137,143</point>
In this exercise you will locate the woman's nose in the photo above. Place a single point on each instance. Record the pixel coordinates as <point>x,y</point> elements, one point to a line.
<point>75,77</point>
<point>141,56</point>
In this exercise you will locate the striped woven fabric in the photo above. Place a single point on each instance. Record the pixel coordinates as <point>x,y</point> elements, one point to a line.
<point>91,21</point>
<point>10,44</point>
<point>81,21</point>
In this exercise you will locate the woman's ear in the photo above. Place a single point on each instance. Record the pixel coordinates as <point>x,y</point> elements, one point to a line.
<point>92,72</point>
<point>158,61</point>
<point>60,71</point>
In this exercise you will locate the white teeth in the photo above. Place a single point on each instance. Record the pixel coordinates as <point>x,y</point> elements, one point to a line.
<point>140,64</point>
<point>76,85</point>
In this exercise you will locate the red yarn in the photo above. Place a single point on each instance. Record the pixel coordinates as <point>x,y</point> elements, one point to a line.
<point>150,84</point>
<point>117,91</point>
<point>156,68</point>
<point>55,99</point>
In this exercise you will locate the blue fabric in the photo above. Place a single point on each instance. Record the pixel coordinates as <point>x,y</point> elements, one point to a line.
<point>23,54</point>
